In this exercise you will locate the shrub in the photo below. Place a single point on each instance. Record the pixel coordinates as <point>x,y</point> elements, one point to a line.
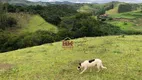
<point>6,21</point>
<point>110,18</point>
<point>125,23</point>
<point>127,7</point>
<point>13,42</point>
<point>87,26</point>
<point>124,8</point>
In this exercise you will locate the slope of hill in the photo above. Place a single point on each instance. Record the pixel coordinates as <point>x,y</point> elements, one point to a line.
<point>122,7</point>
<point>31,23</point>
<point>128,21</point>
<point>29,2</point>
<point>115,9</point>
<point>128,15</point>
<point>38,23</point>
<point>120,54</point>
<point>85,9</point>
<point>24,2</point>
<point>14,1</point>
<point>112,11</point>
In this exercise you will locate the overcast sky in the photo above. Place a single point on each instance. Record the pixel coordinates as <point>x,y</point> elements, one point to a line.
<point>97,1</point>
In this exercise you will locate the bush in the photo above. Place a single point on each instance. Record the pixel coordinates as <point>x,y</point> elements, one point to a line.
<point>110,18</point>
<point>53,19</point>
<point>6,21</point>
<point>125,23</point>
<point>13,42</point>
<point>124,8</point>
<point>87,26</point>
<point>131,32</point>
<point>127,7</point>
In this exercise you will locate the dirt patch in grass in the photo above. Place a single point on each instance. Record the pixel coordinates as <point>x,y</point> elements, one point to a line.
<point>6,66</point>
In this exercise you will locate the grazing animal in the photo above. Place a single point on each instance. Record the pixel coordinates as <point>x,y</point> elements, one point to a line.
<point>90,64</point>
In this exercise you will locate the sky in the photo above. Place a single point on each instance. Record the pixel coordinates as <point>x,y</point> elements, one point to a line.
<point>89,1</point>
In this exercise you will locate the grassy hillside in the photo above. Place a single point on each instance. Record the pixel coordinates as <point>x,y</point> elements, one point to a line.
<point>115,9</point>
<point>120,54</point>
<point>85,8</point>
<point>129,21</point>
<point>31,23</point>
<point>112,11</point>
<point>90,8</point>
<point>128,15</point>
<point>38,23</point>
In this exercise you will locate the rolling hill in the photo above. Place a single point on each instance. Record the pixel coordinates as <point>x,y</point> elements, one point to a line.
<point>31,23</point>
<point>120,54</point>
<point>128,21</point>
<point>24,2</point>
<point>112,11</point>
<point>15,1</point>
<point>38,23</point>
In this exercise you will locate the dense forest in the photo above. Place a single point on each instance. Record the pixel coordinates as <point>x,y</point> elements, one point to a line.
<point>128,7</point>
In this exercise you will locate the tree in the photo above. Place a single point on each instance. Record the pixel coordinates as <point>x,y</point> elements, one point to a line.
<point>54,19</point>
<point>125,8</point>
<point>100,11</point>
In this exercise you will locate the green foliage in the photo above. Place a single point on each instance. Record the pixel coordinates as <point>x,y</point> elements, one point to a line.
<point>51,13</point>
<point>28,35</point>
<point>125,23</point>
<point>63,33</point>
<point>94,9</point>
<point>127,7</point>
<point>130,32</point>
<point>13,42</point>
<point>124,8</point>
<point>6,21</point>
<point>110,6</point>
<point>82,25</point>
<point>69,23</point>
<point>110,18</point>
<point>100,11</point>
<point>76,26</point>
<point>54,19</point>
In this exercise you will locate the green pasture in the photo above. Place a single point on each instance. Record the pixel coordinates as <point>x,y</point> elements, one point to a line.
<point>121,55</point>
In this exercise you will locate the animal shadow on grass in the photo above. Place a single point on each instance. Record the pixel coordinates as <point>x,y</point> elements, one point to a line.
<point>71,67</point>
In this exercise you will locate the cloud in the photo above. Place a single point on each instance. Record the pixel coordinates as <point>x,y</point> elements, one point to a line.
<point>97,1</point>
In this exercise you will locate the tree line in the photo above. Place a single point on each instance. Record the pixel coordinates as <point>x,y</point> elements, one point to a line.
<point>128,7</point>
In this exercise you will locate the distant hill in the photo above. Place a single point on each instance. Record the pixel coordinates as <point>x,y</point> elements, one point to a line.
<point>122,7</point>
<point>24,2</point>
<point>15,1</point>
<point>64,2</point>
